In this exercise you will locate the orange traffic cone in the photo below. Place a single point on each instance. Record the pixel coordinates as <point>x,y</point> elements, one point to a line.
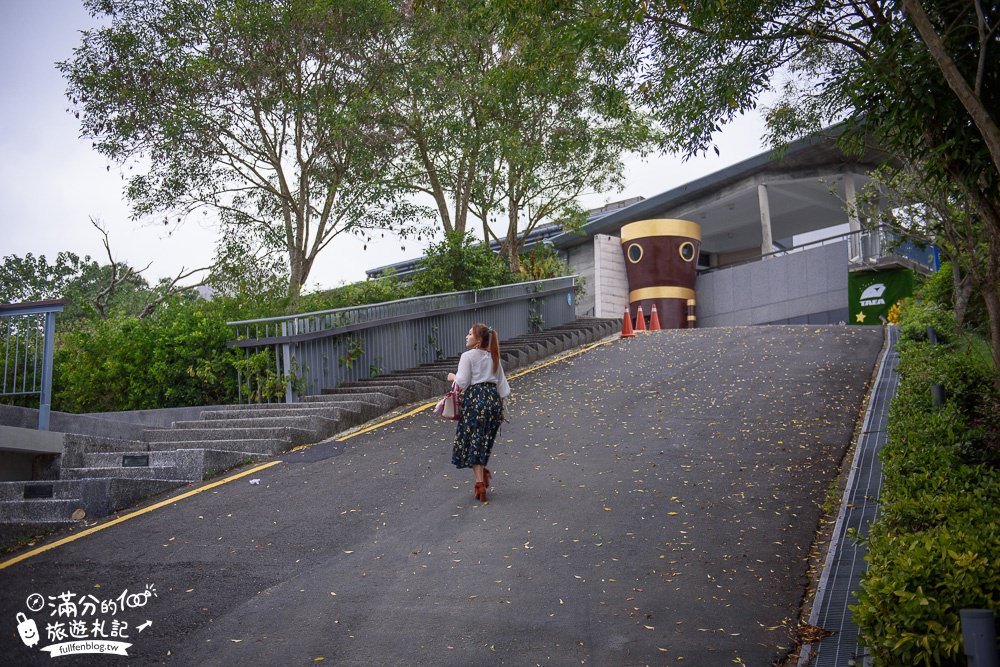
<point>627,325</point>
<point>640,321</point>
<point>654,320</point>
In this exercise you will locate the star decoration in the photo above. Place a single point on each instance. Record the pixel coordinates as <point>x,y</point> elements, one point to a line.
<point>860,317</point>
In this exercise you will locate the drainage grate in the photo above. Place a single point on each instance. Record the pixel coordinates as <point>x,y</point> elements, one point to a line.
<point>846,559</point>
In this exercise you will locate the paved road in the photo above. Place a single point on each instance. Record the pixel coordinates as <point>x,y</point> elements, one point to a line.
<point>654,503</point>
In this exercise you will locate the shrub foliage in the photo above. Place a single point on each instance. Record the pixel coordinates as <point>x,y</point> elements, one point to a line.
<point>935,548</point>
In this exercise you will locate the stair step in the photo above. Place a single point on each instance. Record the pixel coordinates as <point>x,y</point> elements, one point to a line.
<point>384,401</point>
<point>333,409</point>
<point>112,459</point>
<point>312,422</point>
<point>39,511</point>
<point>390,390</point>
<point>61,490</point>
<point>419,388</point>
<point>249,446</point>
<point>296,436</point>
<point>191,464</point>
<point>118,472</point>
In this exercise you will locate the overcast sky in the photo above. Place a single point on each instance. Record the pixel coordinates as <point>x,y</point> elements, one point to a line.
<point>52,182</point>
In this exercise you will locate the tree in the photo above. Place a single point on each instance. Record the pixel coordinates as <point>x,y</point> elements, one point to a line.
<point>31,278</point>
<point>505,111</point>
<point>249,278</point>
<point>90,289</point>
<point>258,111</point>
<point>441,105</point>
<point>565,121</point>
<point>459,263</point>
<point>920,77</point>
<point>911,200</point>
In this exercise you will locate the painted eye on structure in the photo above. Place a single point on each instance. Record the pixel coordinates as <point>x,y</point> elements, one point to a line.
<point>634,253</point>
<point>686,251</point>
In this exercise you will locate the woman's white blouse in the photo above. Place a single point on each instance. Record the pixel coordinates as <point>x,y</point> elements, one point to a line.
<point>475,366</point>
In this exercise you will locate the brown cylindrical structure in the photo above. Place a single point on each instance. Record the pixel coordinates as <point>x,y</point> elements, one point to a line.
<point>661,262</point>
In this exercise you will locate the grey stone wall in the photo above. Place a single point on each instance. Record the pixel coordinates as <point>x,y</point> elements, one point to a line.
<point>808,287</point>
<point>581,262</point>
<point>611,281</point>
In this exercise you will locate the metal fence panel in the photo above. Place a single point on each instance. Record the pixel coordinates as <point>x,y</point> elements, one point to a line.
<point>28,348</point>
<point>326,349</point>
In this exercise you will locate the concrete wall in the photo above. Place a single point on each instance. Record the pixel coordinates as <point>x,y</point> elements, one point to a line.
<point>808,287</point>
<point>611,281</point>
<point>581,261</point>
<point>25,452</point>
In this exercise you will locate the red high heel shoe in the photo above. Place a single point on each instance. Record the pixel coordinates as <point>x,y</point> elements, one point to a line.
<point>486,477</point>
<point>481,492</point>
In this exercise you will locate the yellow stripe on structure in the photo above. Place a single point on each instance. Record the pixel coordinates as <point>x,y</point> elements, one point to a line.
<point>661,227</point>
<point>692,318</point>
<point>664,292</point>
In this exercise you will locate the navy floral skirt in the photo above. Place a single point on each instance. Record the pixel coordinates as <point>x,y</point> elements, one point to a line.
<point>477,428</point>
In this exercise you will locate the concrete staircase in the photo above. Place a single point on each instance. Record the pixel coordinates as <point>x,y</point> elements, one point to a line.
<point>99,476</point>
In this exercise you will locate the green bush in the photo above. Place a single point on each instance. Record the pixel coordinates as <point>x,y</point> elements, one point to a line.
<point>460,263</point>
<point>386,288</point>
<point>541,262</point>
<point>935,548</point>
<point>917,583</point>
<point>938,289</point>
<point>918,315</point>
<point>175,358</point>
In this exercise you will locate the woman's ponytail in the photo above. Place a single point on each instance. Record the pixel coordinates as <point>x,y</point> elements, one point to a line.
<point>489,340</point>
<point>494,348</point>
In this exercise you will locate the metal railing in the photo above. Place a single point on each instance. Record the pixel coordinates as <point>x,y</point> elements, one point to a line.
<point>29,335</point>
<point>285,357</point>
<point>864,247</point>
<point>872,245</point>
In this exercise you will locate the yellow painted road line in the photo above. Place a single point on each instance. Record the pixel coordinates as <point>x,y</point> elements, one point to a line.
<point>387,421</point>
<point>132,515</point>
<point>586,348</point>
<point>425,406</point>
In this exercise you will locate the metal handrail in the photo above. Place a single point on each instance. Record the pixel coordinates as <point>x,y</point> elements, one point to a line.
<point>853,236</point>
<point>24,328</point>
<point>323,349</point>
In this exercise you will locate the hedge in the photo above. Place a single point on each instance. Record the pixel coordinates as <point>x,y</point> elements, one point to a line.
<point>935,547</point>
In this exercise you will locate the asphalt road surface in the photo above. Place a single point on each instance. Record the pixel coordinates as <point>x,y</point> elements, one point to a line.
<point>654,502</point>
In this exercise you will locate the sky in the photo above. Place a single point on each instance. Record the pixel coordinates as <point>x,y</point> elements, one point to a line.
<point>52,183</point>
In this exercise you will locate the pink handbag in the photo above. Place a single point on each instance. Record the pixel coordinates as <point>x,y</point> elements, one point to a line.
<point>450,405</point>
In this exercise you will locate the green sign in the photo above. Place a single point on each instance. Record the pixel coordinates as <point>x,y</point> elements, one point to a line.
<point>871,294</point>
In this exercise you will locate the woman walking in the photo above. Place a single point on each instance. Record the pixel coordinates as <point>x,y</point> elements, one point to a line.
<point>484,387</point>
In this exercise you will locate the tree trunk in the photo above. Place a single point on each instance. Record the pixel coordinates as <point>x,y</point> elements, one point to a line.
<point>510,244</point>
<point>440,199</point>
<point>961,292</point>
<point>991,294</point>
<point>980,115</point>
<point>992,298</point>
<point>297,273</point>
<point>486,232</point>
